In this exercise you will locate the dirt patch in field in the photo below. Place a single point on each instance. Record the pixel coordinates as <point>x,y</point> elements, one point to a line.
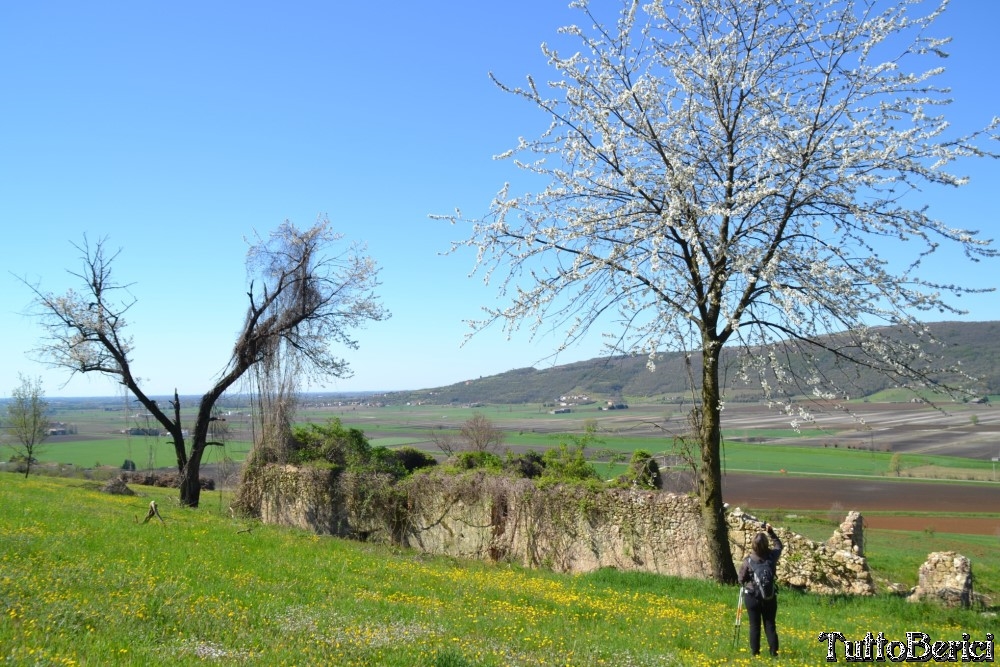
<point>936,524</point>
<point>870,495</point>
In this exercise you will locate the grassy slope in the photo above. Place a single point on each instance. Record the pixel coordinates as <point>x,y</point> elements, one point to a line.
<point>82,583</point>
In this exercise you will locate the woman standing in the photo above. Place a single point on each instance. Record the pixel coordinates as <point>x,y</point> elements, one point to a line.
<point>757,575</point>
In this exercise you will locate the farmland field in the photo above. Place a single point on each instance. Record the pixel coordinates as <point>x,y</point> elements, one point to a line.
<point>873,457</point>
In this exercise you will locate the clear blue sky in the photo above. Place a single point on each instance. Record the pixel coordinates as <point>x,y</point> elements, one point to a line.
<point>177,129</point>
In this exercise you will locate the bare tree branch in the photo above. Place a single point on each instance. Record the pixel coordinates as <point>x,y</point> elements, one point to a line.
<point>307,300</point>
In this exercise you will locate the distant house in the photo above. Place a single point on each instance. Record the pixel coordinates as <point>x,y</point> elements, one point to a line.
<point>61,428</point>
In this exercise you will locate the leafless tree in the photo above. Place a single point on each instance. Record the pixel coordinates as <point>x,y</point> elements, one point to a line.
<point>27,423</point>
<point>481,435</point>
<point>300,300</point>
<point>446,442</point>
<point>476,434</point>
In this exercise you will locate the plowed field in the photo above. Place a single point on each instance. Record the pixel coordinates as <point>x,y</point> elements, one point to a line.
<point>866,495</point>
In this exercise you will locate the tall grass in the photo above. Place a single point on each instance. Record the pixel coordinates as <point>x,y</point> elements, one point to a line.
<point>84,582</point>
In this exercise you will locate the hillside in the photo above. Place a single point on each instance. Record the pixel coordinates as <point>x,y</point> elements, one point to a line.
<point>975,344</point>
<point>84,585</point>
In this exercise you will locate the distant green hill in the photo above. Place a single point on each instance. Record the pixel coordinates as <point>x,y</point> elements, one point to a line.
<point>975,344</point>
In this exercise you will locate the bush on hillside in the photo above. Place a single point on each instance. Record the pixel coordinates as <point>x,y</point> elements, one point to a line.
<point>567,464</point>
<point>414,459</point>
<point>643,472</point>
<point>477,460</point>
<point>330,442</point>
<point>349,449</point>
<point>529,465</point>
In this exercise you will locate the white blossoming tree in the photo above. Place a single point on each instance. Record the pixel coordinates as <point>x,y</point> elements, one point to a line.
<point>303,297</point>
<point>728,175</point>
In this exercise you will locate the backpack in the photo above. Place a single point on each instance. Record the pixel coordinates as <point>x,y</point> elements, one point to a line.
<point>763,578</point>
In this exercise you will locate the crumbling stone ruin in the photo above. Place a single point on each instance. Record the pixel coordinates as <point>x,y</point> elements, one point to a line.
<point>850,535</point>
<point>946,578</point>
<point>835,566</point>
<point>563,528</point>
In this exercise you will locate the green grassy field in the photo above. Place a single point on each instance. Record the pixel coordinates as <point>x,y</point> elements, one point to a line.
<point>101,442</point>
<point>757,449</point>
<point>737,456</point>
<point>157,453</point>
<point>82,582</point>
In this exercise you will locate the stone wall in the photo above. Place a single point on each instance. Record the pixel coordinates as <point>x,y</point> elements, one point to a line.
<point>834,566</point>
<point>946,578</point>
<point>301,497</point>
<point>567,529</point>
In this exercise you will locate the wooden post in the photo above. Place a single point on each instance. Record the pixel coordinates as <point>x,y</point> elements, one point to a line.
<point>153,511</point>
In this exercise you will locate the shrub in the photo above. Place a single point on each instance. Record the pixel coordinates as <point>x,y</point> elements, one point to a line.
<point>529,465</point>
<point>414,459</point>
<point>643,472</point>
<point>384,460</point>
<point>330,442</point>
<point>471,460</point>
<point>332,445</point>
<point>567,464</point>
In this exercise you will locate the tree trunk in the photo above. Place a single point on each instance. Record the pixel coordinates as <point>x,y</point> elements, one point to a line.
<point>191,472</point>
<point>720,554</point>
<point>191,476</point>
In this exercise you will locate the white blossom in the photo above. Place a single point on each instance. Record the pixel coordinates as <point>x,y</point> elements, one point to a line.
<point>722,177</point>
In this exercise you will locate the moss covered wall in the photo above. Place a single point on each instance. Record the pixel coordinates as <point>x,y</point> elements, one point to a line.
<point>564,528</point>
